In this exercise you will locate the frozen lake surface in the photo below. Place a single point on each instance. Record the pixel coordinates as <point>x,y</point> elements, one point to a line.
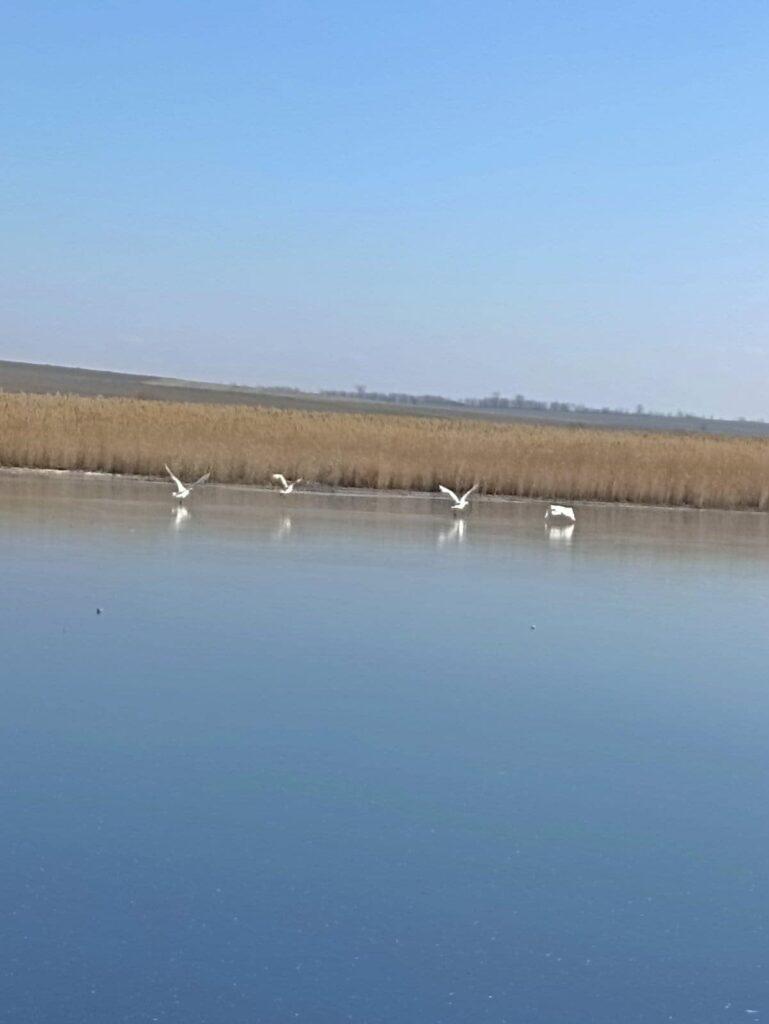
<point>312,763</point>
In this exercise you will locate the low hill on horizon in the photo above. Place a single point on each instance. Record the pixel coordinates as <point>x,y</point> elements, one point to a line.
<point>39,378</point>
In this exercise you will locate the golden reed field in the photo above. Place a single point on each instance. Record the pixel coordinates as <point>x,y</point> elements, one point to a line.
<point>245,445</point>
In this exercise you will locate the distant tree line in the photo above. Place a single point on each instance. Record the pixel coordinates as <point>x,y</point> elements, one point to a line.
<point>396,397</point>
<point>496,400</point>
<point>493,401</point>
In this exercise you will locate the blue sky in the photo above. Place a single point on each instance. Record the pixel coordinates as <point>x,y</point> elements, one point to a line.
<point>567,200</point>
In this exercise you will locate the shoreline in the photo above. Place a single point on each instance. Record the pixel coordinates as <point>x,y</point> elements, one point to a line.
<point>326,490</point>
<point>370,454</point>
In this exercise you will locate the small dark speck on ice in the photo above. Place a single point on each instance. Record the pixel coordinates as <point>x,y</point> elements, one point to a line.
<point>98,611</point>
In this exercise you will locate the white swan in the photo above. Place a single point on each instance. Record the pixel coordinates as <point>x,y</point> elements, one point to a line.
<point>181,491</point>
<point>459,503</point>
<point>287,487</point>
<point>559,513</point>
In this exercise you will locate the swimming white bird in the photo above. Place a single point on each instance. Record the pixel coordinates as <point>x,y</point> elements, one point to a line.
<point>181,491</point>
<point>459,503</point>
<point>560,512</point>
<point>287,487</point>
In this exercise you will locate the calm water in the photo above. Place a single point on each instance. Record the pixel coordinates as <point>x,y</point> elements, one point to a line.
<point>313,763</point>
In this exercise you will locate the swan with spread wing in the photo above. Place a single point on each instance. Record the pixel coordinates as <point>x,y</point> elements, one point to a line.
<point>460,504</point>
<point>182,491</point>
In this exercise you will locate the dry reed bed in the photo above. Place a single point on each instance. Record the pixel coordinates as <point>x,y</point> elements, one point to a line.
<point>245,445</point>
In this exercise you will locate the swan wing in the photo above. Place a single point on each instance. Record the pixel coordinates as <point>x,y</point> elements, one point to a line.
<point>175,479</point>
<point>447,490</point>
<point>201,480</point>
<point>280,478</point>
<point>472,490</point>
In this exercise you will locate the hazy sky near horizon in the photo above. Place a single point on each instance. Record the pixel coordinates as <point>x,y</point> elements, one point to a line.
<point>567,200</point>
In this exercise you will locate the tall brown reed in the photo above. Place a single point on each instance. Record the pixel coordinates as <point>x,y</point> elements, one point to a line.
<point>245,445</point>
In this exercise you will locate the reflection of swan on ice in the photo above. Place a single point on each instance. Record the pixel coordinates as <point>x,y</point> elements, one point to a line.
<point>180,517</point>
<point>283,529</point>
<point>560,534</point>
<point>560,515</point>
<point>455,533</point>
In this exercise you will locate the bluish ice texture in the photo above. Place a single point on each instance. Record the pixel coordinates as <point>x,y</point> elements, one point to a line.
<point>312,763</point>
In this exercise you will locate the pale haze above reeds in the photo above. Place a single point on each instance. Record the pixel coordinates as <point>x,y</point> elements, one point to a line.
<point>246,445</point>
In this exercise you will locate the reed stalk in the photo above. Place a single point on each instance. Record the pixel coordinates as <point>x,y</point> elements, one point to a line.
<point>242,444</point>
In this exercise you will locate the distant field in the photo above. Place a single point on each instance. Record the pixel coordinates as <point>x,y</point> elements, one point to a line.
<point>32,378</point>
<point>245,445</point>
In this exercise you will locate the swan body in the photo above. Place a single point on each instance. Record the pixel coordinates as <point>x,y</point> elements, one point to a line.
<point>559,513</point>
<point>286,486</point>
<point>183,491</point>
